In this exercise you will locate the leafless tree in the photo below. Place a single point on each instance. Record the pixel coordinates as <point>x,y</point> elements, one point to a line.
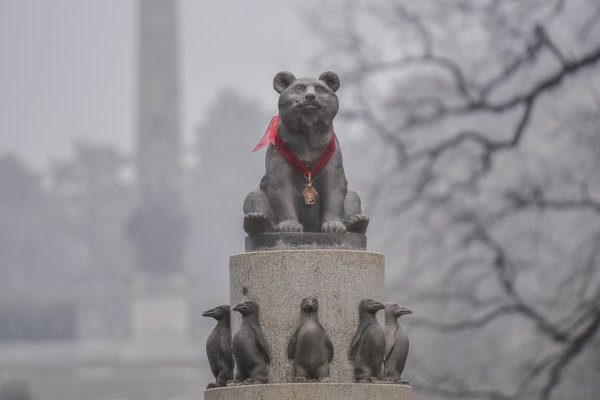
<point>481,120</point>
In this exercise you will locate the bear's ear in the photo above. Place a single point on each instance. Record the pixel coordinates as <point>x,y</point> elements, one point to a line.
<point>282,80</point>
<point>331,79</point>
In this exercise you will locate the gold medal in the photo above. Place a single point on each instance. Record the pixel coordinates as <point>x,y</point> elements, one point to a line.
<point>310,193</point>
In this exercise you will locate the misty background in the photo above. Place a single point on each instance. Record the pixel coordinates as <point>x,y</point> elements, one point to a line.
<point>471,129</point>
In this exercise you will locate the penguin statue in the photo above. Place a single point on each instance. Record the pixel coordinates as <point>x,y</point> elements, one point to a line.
<point>250,348</point>
<point>396,343</point>
<point>368,344</point>
<point>310,347</point>
<point>218,346</point>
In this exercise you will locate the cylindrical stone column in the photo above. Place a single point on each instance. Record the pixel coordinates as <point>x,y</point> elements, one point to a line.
<point>278,281</point>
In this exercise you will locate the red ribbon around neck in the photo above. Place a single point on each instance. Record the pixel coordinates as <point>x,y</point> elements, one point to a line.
<point>271,136</point>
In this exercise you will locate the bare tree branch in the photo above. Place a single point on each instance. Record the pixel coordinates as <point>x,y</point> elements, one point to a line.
<point>501,311</point>
<point>449,184</point>
<point>538,200</point>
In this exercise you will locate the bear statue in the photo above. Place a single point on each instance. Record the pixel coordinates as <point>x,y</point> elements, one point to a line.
<point>304,188</point>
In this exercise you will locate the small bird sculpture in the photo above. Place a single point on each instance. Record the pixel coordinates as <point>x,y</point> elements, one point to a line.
<point>250,348</point>
<point>368,344</point>
<point>218,346</point>
<point>310,347</point>
<point>396,343</point>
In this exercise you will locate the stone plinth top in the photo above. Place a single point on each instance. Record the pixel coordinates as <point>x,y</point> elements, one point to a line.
<point>312,391</point>
<point>306,241</point>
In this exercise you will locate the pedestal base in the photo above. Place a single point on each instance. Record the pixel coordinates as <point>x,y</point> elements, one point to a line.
<point>279,280</point>
<point>312,391</point>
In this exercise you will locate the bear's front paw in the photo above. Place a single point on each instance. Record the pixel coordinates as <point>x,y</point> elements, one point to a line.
<point>289,225</point>
<point>333,227</point>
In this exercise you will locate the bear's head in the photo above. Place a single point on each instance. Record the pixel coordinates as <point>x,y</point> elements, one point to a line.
<point>307,104</point>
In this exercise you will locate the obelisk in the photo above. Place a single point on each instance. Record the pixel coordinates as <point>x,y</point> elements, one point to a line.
<point>160,311</point>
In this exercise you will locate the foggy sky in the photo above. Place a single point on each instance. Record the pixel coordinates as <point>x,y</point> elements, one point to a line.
<point>67,67</point>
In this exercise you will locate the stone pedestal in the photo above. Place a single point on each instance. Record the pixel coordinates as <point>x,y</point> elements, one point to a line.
<point>312,391</point>
<point>279,280</point>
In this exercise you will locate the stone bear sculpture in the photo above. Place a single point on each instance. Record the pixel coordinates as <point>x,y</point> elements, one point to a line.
<point>304,188</point>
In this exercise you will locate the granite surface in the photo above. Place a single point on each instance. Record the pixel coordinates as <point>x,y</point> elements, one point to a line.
<point>312,391</point>
<point>279,280</point>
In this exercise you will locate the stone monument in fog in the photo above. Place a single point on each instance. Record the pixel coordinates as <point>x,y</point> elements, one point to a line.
<point>160,304</point>
<point>307,314</point>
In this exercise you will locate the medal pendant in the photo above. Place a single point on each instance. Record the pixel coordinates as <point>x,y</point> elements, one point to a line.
<point>310,193</point>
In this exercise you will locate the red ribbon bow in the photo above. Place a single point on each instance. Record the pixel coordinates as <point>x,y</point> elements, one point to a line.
<point>269,136</point>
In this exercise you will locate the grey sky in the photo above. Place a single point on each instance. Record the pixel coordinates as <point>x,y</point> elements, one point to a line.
<point>67,67</point>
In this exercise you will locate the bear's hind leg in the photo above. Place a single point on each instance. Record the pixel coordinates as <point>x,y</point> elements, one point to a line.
<point>257,213</point>
<point>354,220</point>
